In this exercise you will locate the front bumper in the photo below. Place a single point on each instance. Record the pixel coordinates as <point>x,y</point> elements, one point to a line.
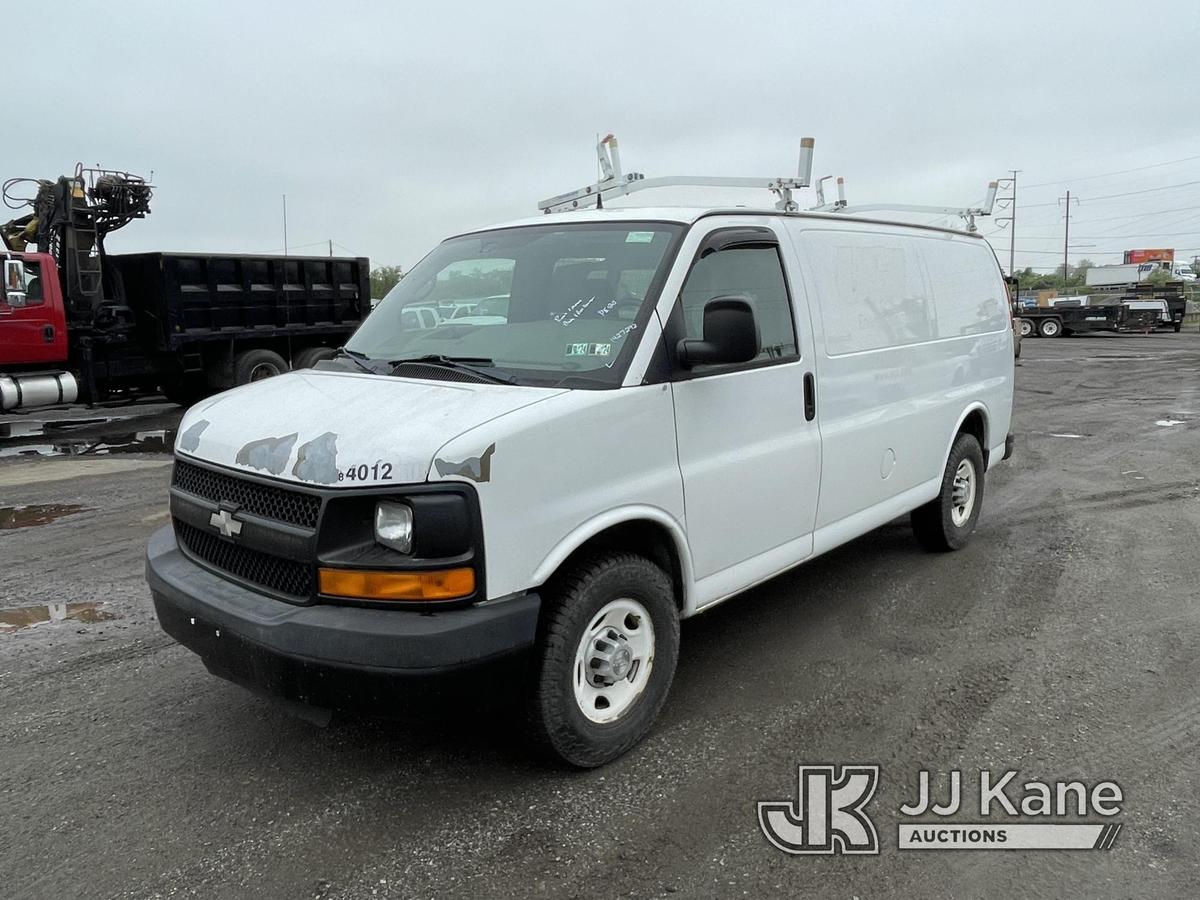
<point>323,654</point>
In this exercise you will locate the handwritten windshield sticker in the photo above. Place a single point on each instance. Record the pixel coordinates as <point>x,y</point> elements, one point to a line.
<point>624,332</point>
<point>574,311</point>
<point>639,237</point>
<point>589,349</point>
<point>612,304</point>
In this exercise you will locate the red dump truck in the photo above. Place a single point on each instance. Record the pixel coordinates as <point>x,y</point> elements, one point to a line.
<point>79,324</point>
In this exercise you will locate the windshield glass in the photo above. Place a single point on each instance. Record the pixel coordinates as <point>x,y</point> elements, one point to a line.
<point>541,303</point>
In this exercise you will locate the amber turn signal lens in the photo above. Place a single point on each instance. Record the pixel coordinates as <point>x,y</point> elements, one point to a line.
<point>362,584</point>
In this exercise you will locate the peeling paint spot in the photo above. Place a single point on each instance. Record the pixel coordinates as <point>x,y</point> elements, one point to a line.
<point>269,454</point>
<point>1168,423</point>
<point>190,439</point>
<point>477,468</point>
<point>317,460</point>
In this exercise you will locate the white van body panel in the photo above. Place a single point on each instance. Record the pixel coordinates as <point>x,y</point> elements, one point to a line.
<point>312,425</point>
<point>896,373</point>
<point>559,474</point>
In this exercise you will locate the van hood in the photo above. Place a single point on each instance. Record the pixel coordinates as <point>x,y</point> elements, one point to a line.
<point>345,429</point>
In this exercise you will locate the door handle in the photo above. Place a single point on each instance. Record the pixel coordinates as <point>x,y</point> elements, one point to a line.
<point>810,397</point>
<point>48,333</point>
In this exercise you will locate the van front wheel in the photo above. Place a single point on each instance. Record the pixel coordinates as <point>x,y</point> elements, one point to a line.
<point>946,522</point>
<point>606,654</point>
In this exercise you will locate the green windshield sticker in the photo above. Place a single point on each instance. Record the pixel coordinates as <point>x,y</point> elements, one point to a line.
<point>589,349</point>
<point>639,237</point>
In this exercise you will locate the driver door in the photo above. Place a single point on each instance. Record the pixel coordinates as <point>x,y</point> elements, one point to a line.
<point>748,443</point>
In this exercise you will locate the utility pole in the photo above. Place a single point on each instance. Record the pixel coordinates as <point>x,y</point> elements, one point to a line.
<point>331,248</point>
<point>1011,219</point>
<point>285,224</point>
<point>1066,239</point>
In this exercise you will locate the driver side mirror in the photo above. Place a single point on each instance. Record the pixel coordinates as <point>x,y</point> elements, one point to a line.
<point>14,282</point>
<point>730,335</point>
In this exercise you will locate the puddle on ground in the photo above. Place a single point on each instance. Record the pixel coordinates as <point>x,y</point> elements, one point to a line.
<point>36,514</point>
<point>161,440</point>
<point>25,616</point>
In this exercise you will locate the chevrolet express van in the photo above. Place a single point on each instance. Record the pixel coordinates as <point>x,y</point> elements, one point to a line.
<point>662,408</point>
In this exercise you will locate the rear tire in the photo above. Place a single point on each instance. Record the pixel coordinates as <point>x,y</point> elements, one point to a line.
<point>310,356</point>
<point>1026,328</point>
<point>607,647</point>
<point>1049,328</point>
<point>255,365</point>
<point>946,523</point>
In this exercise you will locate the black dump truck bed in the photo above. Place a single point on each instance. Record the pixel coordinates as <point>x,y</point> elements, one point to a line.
<point>181,298</point>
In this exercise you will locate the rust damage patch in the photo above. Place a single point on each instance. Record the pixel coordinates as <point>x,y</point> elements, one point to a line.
<point>268,454</point>
<point>316,461</point>
<point>477,468</point>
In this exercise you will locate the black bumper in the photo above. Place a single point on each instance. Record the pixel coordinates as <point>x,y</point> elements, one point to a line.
<point>327,655</point>
<point>1010,443</point>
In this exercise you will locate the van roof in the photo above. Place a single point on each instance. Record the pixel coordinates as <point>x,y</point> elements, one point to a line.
<point>687,215</point>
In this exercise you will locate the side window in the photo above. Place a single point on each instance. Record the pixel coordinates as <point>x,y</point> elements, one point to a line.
<point>752,272</point>
<point>34,294</point>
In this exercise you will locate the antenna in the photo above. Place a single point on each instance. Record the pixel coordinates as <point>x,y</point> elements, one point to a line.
<point>615,182</point>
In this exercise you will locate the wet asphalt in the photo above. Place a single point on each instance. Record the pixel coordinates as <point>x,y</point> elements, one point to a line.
<point>1064,641</point>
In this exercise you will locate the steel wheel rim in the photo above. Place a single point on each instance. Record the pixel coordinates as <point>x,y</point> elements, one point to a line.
<point>261,371</point>
<point>613,660</point>
<point>962,494</point>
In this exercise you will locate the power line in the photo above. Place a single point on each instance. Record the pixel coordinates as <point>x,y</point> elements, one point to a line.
<point>1165,187</point>
<point>1169,162</point>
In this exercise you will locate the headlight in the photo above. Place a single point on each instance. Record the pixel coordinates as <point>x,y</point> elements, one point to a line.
<point>394,525</point>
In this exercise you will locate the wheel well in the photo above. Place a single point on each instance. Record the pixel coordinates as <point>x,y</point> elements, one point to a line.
<point>641,536</point>
<point>975,424</point>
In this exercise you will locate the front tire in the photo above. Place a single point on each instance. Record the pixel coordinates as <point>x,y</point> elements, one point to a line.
<point>607,648</point>
<point>946,523</point>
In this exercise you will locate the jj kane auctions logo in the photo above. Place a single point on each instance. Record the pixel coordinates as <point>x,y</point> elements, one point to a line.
<point>829,814</point>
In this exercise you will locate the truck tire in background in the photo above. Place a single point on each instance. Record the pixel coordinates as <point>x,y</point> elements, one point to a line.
<point>1049,328</point>
<point>1026,328</point>
<point>310,356</point>
<point>255,365</point>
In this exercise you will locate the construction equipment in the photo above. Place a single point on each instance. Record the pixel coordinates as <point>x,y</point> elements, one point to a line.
<point>78,323</point>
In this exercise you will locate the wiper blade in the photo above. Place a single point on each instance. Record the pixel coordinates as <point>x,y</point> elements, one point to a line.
<point>476,365</point>
<point>355,357</point>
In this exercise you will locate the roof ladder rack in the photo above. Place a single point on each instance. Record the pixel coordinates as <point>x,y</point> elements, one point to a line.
<point>970,213</point>
<point>616,183</point>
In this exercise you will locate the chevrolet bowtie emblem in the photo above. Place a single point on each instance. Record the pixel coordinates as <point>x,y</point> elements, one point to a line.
<point>224,522</point>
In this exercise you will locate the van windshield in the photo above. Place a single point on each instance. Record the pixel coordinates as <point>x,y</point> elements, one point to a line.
<point>540,303</point>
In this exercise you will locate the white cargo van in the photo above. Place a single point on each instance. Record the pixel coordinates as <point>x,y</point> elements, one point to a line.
<point>677,405</point>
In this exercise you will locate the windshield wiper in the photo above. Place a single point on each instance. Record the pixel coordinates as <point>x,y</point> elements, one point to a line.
<point>355,357</point>
<point>476,365</point>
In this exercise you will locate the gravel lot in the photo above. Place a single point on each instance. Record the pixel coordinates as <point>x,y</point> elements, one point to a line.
<point>1065,640</point>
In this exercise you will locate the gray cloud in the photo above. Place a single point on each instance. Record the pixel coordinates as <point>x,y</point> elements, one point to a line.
<point>390,126</point>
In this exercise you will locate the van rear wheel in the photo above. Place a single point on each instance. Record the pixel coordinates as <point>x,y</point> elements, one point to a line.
<point>607,647</point>
<point>946,523</point>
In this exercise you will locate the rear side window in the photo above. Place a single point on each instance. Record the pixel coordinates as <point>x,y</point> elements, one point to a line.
<point>754,273</point>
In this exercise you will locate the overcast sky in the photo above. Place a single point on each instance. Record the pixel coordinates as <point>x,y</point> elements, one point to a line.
<point>391,125</point>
